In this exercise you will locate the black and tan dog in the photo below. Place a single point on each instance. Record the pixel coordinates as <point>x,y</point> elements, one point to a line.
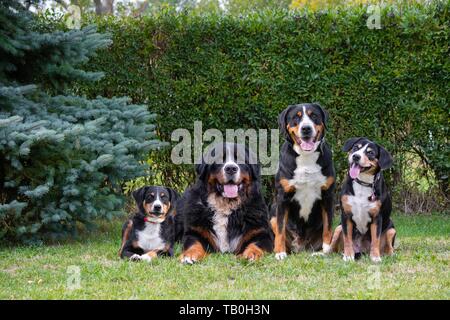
<point>153,230</point>
<point>224,210</point>
<point>366,226</point>
<point>303,212</point>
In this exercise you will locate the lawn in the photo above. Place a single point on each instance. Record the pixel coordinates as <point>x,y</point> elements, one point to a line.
<point>419,269</point>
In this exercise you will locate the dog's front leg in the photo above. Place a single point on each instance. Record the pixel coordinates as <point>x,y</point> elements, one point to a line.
<point>279,229</point>
<point>375,233</point>
<point>347,227</point>
<point>327,214</point>
<point>193,248</point>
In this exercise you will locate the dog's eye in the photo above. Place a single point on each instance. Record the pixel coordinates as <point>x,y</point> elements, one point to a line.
<point>355,148</point>
<point>370,153</point>
<point>313,116</point>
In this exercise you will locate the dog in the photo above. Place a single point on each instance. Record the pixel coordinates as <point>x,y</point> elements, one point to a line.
<point>224,211</point>
<point>153,230</point>
<point>303,211</point>
<point>366,226</point>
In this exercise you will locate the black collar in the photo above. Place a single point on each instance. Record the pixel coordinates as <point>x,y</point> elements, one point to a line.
<point>363,183</point>
<point>370,185</point>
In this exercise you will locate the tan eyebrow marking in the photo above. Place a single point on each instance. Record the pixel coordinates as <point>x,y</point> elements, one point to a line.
<point>360,145</point>
<point>152,193</point>
<point>162,194</point>
<point>299,114</point>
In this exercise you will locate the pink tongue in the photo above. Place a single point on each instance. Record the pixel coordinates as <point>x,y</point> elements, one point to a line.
<point>354,171</point>
<point>307,145</point>
<point>230,190</point>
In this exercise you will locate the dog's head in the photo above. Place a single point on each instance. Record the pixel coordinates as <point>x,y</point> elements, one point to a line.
<point>304,125</point>
<point>366,156</point>
<point>230,171</point>
<point>155,202</point>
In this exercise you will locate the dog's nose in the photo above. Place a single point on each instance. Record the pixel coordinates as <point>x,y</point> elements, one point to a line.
<point>231,169</point>
<point>356,157</point>
<point>157,207</point>
<point>306,130</point>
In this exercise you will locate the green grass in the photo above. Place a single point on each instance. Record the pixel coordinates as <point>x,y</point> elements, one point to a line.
<point>419,269</point>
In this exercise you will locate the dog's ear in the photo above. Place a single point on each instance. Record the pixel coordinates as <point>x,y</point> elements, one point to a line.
<point>139,196</point>
<point>255,170</point>
<point>324,113</point>
<point>385,159</point>
<point>282,121</point>
<point>348,145</point>
<point>173,195</point>
<point>200,170</point>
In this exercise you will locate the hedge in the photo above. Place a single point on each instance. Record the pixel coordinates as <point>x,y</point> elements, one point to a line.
<point>389,84</point>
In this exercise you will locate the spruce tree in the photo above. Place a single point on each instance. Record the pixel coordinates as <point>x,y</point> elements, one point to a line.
<point>63,158</point>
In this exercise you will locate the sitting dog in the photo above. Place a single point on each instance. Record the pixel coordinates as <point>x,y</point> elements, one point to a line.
<point>303,211</point>
<point>365,203</point>
<point>153,230</point>
<point>224,210</point>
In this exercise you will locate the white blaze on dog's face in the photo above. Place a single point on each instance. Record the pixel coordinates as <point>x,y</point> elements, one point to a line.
<point>231,172</point>
<point>304,125</point>
<point>228,170</point>
<point>307,132</point>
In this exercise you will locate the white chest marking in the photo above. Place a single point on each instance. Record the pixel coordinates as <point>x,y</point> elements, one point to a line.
<point>220,228</point>
<point>361,205</point>
<point>220,223</point>
<point>223,242</point>
<point>308,180</point>
<point>149,238</point>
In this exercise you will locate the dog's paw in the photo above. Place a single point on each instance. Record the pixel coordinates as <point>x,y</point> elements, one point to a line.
<point>135,257</point>
<point>375,259</point>
<point>348,258</point>
<point>188,260</point>
<point>326,248</point>
<point>280,255</point>
<point>252,253</point>
<point>147,258</point>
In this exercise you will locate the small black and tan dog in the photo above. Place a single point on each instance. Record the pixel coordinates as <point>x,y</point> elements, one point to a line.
<point>153,230</point>
<point>366,226</point>
<point>224,211</point>
<point>303,210</point>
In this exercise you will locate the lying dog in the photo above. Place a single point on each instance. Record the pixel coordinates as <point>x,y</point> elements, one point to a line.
<point>303,212</point>
<point>365,203</point>
<point>224,211</point>
<point>153,230</point>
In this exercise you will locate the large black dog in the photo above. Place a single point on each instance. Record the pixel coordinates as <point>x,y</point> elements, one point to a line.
<point>365,203</point>
<point>303,212</point>
<point>153,230</point>
<point>224,210</point>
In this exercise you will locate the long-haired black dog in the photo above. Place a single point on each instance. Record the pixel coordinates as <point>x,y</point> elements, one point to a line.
<point>224,210</point>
